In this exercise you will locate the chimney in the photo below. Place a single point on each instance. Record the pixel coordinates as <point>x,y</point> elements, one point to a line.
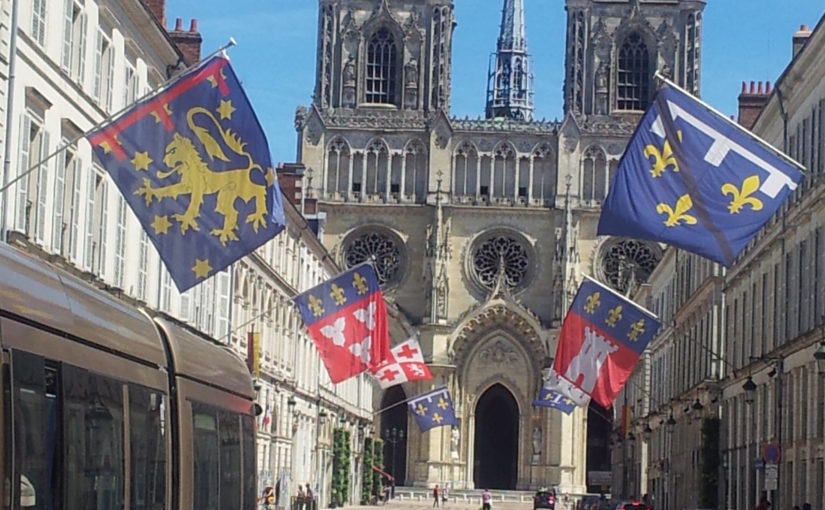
<point>799,39</point>
<point>291,179</point>
<point>158,8</point>
<point>751,101</point>
<point>189,42</point>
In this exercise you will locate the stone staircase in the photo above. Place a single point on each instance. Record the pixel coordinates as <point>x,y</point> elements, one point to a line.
<point>464,496</point>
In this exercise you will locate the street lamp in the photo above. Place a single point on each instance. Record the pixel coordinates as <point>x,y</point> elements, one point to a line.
<point>750,390</point>
<point>697,406</point>
<point>819,356</point>
<point>394,436</point>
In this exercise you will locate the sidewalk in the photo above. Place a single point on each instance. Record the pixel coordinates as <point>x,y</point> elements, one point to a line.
<point>398,504</point>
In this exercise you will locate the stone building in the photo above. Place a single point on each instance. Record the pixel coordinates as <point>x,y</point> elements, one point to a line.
<point>77,63</point>
<point>480,228</point>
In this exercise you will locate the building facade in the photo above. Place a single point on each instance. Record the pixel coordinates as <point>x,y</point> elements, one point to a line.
<point>740,399</point>
<point>77,63</point>
<point>480,228</point>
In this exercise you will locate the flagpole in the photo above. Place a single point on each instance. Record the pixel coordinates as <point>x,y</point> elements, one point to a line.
<point>605,287</point>
<point>109,118</point>
<point>781,153</point>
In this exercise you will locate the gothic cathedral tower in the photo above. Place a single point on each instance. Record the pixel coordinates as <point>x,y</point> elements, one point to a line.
<point>480,228</point>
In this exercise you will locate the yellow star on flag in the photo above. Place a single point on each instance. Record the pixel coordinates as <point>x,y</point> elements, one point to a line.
<point>156,115</point>
<point>142,160</point>
<point>201,268</point>
<point>226,109</point>
<point>161,224</point>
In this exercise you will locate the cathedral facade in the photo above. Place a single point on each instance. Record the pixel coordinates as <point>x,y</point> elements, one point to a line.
<point>481,228</point>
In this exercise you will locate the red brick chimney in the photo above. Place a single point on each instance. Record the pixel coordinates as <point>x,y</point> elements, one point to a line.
<point>799,39</point>
<point>751,102</point>
<point>290,179</point>
<point>189,42</point>
<point>158,8</point>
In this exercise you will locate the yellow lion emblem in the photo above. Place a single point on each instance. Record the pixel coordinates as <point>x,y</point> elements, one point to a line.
<point>198,180</point>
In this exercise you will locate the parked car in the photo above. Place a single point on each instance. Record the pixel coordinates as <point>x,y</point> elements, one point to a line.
<point>630,505</point>
<point>544,498</point>
<point>592,502</point>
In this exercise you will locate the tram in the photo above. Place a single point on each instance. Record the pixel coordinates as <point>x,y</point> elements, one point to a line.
<point>107,407</point>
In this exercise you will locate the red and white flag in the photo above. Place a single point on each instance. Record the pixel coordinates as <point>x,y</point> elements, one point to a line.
<point>406,363</point>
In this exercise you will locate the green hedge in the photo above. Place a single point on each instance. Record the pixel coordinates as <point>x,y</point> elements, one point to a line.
<point>340,467</point>
<point>378,460</point>
<point>366,472</point>
<point>710,460</point>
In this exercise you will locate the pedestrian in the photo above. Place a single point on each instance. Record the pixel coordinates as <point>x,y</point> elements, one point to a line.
<point>486,500</point>
<point>445,493</point>
<point>300,499</point>
<point>435,495</point>
<point>267,499</point>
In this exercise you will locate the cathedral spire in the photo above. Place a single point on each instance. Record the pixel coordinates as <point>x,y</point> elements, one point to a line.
<point>509,83</point>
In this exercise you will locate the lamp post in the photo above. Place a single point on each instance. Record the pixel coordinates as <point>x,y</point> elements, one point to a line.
<point>819,356</point>
<point>394,436</point>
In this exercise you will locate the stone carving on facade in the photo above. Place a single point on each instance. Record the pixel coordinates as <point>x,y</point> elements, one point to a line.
<point>384,249</point>
<point>624,264</point>
<point>501,251</point>
<point>537,442</point>
<point>454,441</point>
<point>411,73</point>
<point>300,117</point>
<point>413,120</point>
<point>499,354</point>
<point>314,129</point>
<point>412,27</point>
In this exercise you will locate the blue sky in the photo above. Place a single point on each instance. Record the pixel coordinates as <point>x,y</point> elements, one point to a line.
<point>275,56</point>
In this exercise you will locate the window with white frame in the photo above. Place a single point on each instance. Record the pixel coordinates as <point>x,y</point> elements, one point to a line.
<point>100,221</point>
<point>73,57</point>
<point>166,289</point>
<point>143,265</point>
<point>89,243</point>
<point>130,85</point>
<point>222,312</point>
<point>120,241</point>
<point>32,191</point>
<point>66,206</point>
<point>104,70</point>
<point>38,26</point>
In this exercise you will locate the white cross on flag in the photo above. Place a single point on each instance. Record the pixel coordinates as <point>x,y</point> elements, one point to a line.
<point>406,363</point>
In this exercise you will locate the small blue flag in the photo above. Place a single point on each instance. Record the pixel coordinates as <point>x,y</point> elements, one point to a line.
<point>194,165</point>
<point>554,399</point>
<point>693,179</point>
<point>433,409</point>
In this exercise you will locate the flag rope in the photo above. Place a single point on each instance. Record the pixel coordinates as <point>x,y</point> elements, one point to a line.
<point>109,118</point>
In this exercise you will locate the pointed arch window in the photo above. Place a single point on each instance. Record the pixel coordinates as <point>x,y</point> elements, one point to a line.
<point>382,68</point>
<point>634,74</point>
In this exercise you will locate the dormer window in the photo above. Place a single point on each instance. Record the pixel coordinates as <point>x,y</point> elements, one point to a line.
<point>382,68</point>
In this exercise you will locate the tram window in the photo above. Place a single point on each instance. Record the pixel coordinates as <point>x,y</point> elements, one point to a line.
<point>36,431</point>
<point>93,414</point>
<point>230,459</point>
<point>206,457</point>
<point>249,469</point>
<point>148,449</point>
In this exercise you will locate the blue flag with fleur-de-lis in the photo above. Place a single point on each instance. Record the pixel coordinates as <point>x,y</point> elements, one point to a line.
<point>194,165</point>
<point>693,179</point>
<point>433,409</point>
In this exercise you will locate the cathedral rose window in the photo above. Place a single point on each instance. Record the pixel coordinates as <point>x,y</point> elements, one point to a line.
<point>383,247</point>
<point>502,249</point>
<point>626,263</point>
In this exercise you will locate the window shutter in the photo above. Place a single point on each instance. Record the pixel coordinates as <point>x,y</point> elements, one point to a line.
<point>59,195</point>
<point>90,219</point>
<point>110,80</point>
<point>98,65</point>
<point>185,305</point>
<point>22,166</point>
<point>42,187</point>
<point>66,57</point>
<point>81,51</point>
<point>74,229</point>
<point>104,219</point>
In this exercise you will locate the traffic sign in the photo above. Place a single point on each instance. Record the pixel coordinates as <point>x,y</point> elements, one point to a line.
<point>771,477</point>
<point>772,453</point>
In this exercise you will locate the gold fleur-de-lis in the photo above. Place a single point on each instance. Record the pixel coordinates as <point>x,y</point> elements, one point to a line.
<point>421,410</point>
<point>360,284</point>
<point>683,205</point>
<point>637,329</point>
<point>437,418</point>
<point>337,295</point>
<point>442,403</point>
<point>662,159</point>
<point>614,316</point>
<point>742,197</point>
<point>315,305</point>
<point>592,302</point>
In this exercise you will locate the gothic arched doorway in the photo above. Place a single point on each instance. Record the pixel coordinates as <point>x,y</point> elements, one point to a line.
<point>394,433</point>
<point>598,445</point>
<point>495,455</point>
